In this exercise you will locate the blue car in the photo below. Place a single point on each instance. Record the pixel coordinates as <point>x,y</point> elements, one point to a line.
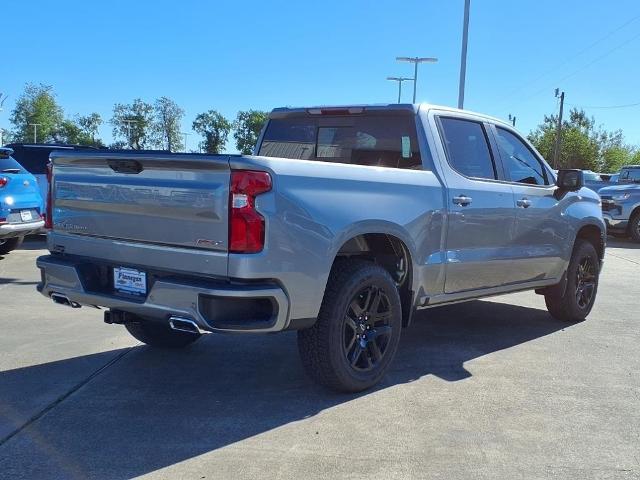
<point>21,205</point>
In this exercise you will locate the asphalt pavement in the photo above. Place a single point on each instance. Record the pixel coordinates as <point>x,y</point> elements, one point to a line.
<point>487,389</point>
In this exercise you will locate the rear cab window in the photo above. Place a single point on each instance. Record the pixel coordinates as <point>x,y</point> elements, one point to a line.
<point>467,148</point>
<point>360,139</point>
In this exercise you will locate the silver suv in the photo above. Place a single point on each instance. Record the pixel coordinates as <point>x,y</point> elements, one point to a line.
<point>621,204</point>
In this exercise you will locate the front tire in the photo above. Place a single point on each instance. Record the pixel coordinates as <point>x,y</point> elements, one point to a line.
<point>634,227</point>
<point>10,244</point>
<point>356,336</point>
<point>159,335</point>
<point>575,303</point>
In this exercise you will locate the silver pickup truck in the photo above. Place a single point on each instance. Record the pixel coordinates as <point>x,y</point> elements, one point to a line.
<point>345,222</point>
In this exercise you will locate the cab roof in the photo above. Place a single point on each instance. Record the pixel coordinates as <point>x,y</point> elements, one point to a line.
<point>382,108</point>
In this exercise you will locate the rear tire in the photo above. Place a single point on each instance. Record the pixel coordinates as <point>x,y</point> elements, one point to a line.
<point>10,244</point>
<point>634,227</point>
<point>356,336</point>
<point>159,335</point>
<point>575,303</point>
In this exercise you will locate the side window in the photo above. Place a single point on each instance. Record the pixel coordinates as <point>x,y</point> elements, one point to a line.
<point>520,164</point>
<point>467,148</point>
<point>631,176</point>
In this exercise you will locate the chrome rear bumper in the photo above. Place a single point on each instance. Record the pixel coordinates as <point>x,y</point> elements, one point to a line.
<point>172,298</point>
<point>10,230</point>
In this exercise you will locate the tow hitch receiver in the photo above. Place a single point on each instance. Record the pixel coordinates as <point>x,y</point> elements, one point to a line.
<point>117,317</point>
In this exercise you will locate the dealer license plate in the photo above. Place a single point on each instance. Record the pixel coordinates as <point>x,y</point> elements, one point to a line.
<point>128,280</point>
<point>26,215</point>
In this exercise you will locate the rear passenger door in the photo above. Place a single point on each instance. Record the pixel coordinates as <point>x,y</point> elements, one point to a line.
<point>481,216</point>
<point>540,226</point>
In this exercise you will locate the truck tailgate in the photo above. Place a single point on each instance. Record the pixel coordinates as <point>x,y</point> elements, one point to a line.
<point>170,200</point>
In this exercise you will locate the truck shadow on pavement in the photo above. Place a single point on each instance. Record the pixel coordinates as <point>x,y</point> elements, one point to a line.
<point>152,409</point>
<point>622,243</point>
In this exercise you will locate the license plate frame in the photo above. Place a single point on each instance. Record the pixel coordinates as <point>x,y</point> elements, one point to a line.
<point>130,281</point>
<point>26,215</point>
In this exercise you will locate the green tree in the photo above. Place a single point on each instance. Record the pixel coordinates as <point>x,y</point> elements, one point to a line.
<point>166,126</point>
<point>583,145</point>
<point>247,127</point>
<point>36,112</point>
<point>132,124</point>
<point>89,125</point>
<point>214,129</point>
<point>81,131</point>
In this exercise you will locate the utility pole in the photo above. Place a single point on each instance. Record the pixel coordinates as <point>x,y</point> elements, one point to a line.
<point>416,61</point>
<point>463,55</point>
<point>35,131</point>
<point>512,119</point>
<point>556,148</point>
<point>400,80</point>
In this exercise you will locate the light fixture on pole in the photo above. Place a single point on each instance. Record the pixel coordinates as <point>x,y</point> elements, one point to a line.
<point>400,80</point>
<point>35,131</point>
<point>416,61</point>
<point>128,123</point>
<point>185,140</point>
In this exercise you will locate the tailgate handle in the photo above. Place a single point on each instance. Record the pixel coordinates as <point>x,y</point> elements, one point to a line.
<point>125,166</point>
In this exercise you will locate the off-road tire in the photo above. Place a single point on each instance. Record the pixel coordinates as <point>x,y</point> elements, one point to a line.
<point>323,348</point>
<point>566,306</point>
<point>634,227</point>
<point>159,335</point>
<point>10,244</point>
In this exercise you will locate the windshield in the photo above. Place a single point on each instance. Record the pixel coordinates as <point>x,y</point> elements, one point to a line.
<point>385,141</point>
<point>630,175</point>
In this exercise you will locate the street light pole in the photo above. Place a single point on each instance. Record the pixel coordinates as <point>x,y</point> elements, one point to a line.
<point>185,140</point>
<point>463,56</point>
<point>35,131</point>
<point>400,80</point>
<point>129,122</point>
<point>416,61</point>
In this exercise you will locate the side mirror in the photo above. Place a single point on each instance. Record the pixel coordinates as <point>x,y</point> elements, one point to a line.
<point>570,180</point>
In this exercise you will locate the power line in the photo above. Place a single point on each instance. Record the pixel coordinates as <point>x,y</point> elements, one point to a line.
<point>572,57</point>
<point>606,107</point>
<point>575,72</point>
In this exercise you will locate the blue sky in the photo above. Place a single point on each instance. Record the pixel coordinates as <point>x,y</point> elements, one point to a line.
<point>238,55</point>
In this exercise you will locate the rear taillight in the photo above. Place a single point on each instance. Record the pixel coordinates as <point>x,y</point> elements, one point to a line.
<point>246,225</point>
<point>3,181</point>
<point>48,218</point>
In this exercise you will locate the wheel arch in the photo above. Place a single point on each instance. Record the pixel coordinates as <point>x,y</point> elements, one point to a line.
<point>595,235</point>
<point>390,250</point>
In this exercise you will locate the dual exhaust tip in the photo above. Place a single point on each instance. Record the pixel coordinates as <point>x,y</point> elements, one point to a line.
<point>179,324</point>
<point>61,299</point>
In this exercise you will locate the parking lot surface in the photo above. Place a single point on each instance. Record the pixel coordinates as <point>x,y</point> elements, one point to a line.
<point>487,389</point>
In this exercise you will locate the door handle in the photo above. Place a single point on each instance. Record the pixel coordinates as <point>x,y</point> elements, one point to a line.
<point>462,200</point>
<point>524,203</point>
